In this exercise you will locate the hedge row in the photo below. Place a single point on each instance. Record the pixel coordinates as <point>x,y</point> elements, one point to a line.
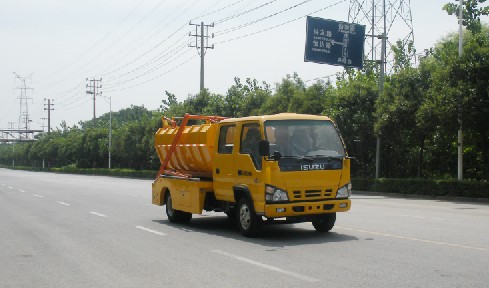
<point>426,187</point>
<point>145,174</point>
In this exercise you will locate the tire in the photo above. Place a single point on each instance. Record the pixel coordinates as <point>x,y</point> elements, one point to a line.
<point>175,216</point>
<point>248,222</point>
<point>325,222</point>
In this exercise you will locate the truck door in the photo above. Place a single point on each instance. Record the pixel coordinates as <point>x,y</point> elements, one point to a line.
<point>223,171</point>
<point>249,163</point>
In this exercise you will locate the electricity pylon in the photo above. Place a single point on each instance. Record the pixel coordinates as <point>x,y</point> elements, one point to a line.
<point>391,18</point>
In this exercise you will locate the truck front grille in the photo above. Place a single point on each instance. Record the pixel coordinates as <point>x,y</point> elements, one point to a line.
<point>313,194</point>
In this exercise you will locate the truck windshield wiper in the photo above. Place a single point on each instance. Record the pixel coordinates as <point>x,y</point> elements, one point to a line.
<point>299,158</point>
<point>339,158</point>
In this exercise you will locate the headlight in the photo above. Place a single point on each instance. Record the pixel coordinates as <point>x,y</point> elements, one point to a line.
<point>344,192</point>
<point>274,194</point>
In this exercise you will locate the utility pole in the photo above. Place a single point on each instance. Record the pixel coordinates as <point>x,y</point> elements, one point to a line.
<point>381,88</point>
<point>94,85</point>
<point>11,124</point>
<point>460,162</point>
<point>202,47</point>
<point>110,129</point>
<point>49,112</point>
<point>42,125</point>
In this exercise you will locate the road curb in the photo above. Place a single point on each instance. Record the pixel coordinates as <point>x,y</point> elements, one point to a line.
<point>424,197</point>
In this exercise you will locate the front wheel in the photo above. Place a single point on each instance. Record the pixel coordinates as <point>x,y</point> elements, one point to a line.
<point>249,223</point>
<point>325,222</point>
<point>175,216</point>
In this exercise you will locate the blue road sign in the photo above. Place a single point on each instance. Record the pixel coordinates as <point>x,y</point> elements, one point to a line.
<point>333,42</point>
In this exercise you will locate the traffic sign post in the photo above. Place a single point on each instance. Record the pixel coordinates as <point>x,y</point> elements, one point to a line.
<point>334,42</point>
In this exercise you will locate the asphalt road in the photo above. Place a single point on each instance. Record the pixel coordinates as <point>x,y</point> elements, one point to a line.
<point>59,230</point>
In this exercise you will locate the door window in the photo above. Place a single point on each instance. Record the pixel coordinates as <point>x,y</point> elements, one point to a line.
<point>226,139</point>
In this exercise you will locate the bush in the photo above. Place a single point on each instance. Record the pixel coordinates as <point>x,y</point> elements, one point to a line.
<point>466,188</point>
<point>146,174</point>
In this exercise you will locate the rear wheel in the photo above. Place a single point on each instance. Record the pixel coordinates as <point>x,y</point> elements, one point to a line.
<point>325,222</point>
<point>249,223</point>
<point>175,216</point>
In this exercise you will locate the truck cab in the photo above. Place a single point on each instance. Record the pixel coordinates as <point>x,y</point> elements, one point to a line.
<point>287,166</point>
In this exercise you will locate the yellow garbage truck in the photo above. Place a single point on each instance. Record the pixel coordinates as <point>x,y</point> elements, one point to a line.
<point>283,168</point>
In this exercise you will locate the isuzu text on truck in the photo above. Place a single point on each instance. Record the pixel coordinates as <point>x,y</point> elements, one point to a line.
<point>287,167</point>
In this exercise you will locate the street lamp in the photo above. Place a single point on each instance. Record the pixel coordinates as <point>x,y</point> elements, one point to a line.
<point>110,127</point>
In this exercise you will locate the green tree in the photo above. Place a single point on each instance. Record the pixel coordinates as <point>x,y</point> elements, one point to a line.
<point>471,13</point>
<point>352,107</point>
<point>459,86</point>
<point>290,87</point>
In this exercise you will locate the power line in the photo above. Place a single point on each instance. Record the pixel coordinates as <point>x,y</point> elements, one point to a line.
<point>244,12</point>
<point>281,24</point>
<point>158,76</point>
<point>228,30</point>
<point>95,44</point>
<point>157,67</point>
<point>153,60</point>
<point>150,36</point>
<point>220,9</point>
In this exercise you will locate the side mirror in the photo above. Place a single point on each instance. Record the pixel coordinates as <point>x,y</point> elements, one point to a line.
<point>276,156</point>
<point>264,148</point>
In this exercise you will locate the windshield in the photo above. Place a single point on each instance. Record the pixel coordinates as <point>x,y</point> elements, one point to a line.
<point>299,138</point>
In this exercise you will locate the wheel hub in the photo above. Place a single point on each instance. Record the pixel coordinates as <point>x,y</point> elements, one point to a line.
<point>244,216</point>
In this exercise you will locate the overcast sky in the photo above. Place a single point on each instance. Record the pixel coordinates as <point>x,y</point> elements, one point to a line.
<point>140,49</point>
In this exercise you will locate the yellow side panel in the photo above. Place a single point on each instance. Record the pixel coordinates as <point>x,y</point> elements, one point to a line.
<point>158,192</point>
<point>187,195</point>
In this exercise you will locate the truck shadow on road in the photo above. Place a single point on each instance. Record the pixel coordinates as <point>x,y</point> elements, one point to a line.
<point>271,235</point>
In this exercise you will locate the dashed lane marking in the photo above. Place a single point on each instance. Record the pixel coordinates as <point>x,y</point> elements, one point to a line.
<point>98,214</point>
<point>63,203</point>
<point>422,217</point>
<point>151,231</point>
<point>415,239</point>
<point>21,190</point>
<point>35,195</point>
<point>265,266</point>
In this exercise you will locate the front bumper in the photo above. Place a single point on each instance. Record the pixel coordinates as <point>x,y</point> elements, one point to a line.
<point>306,208</point>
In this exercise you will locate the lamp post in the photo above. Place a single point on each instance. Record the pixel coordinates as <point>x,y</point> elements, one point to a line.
<point>460,150</point>
<point>110,128</point>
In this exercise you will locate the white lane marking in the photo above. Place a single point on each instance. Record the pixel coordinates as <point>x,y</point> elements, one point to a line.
<point>63,203</point>
<point>149,230</point>
<point>22,191</point>
<point>415,239</point>
<point>10,187</point>
<point>411,216</point>
<point>98,214</point>
<point>272,268</point>
<point>421,217</point>
<point>35,195</point>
